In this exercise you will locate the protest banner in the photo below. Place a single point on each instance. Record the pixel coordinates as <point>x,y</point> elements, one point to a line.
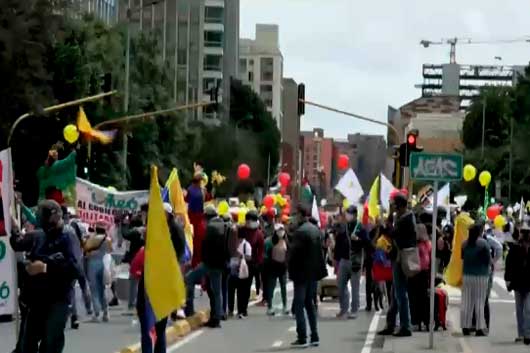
<point>8,290</point>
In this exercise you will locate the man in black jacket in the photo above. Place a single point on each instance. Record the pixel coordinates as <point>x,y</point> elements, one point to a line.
<point>306,267</point>
<point>52,268</point>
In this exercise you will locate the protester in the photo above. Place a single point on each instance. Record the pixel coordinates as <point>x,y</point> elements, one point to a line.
<point>306,267</point>
<point>382,267</point>
<point>516,277</point>
<point>77,234</point>
<point>238,280</point>
<point>371,288</point>
<point>419,284</point>
<point>477,261</point>
<point>195,200</point>
<point>135,236</point>
<point>343,265</point>
<point>443,248</point>
<point>52,269</point>
<point>496,255</point>
<point>214,256</point>
<point>96,247</point>
<point>276,267</point>
<point>254,235</point>
<point>404,237</point>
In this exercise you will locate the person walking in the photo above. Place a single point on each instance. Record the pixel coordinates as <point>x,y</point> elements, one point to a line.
<point>477,263</point>
<point>306,267</point>
<point>96,247</point>
<point>403,236</point>
<point>239,281</point>
<point>516,277</point>
<point>419,284</point>
<point>358,239</point>
<point>276,263</point>
<point>343,265</point>
<point>52,269</point>
<point>135,235</point>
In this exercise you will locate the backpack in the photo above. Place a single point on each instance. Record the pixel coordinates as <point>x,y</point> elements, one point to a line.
<point>279,252</point>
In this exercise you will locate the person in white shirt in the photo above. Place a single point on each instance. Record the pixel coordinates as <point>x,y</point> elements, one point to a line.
<point>238,278</point>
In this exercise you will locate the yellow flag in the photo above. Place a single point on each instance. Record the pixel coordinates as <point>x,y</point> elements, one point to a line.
<point>454,273</point>
<point>84,126</point>
<point>373,202</point>
<point>164,283</point>
<point>176,198</point>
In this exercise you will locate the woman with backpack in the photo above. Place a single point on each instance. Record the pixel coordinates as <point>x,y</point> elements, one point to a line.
<point>239,279</point>
<point>276,263</point>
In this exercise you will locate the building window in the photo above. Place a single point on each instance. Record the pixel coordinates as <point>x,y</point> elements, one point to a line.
<point>213,39</point>
<point>267,69</point>
<point>208,84</point>
<point>251,76</point>
<point>243,65</point>
<point>213,63</point>
<point>251,62</point>
<point>268,103</point>
<point>265,88</point>
<point>213,14</point>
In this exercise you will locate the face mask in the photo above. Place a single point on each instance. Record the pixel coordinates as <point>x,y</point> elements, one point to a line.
<point>281,233</point>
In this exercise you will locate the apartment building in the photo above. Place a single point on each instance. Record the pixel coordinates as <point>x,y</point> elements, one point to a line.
<point>261,67</point>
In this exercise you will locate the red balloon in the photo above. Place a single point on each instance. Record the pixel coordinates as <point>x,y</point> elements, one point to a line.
<point>284,179</point>
<point>404,191</point>
<point>343,162</point>
<point>268,201</point>
<point>493,211</point>
<point>394,193</point>
<point>243,171</point>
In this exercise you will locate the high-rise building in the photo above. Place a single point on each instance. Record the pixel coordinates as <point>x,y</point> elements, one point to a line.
<point>261,67</point>
<point>200,44</point>
<point>105,10</point>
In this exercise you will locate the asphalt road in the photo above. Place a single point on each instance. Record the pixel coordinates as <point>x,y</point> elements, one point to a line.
<point>261,333</point>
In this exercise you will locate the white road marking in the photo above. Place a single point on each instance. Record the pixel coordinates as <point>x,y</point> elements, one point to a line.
<point>291,329</point>
<point>493,294</point>
<point>184,341</point>
<point>455,327</point>
<point>277,344</point>
<point>370,337</point>
<point>500,281</point>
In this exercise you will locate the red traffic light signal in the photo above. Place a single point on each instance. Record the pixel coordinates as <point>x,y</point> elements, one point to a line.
<point>411,139</point>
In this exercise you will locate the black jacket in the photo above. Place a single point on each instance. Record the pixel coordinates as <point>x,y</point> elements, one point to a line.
<point>305,257</point>
<point>517,269</point>
<point>62,269</point>
<point>357,246</point>
<point>214,246</point>
<point>404,233</point>
<point>342,249</point>
<point>136,239</point>
<point>178,238</point>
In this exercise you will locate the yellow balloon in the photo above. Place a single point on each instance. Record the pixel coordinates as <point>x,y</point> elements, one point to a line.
<point>223,208</point>
<point>70,133</point>
<point>345,203</point>
<point>499,221</point>
<point>263,210</point>
<point>251,205</point>
<point>470,172</point>
<point>484,178</point>
<point>241,216</point>
<point>112,188</point>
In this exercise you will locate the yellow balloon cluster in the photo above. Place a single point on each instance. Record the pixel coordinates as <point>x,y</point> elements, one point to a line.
<point>280,200</point>
<point>223,208</point>
<point>217,178</point>
<point>241,215</point>
<point>470,172</point>
<point>70,133</point>
<point>484,178</point>
<point>499,222</point>
<point>251,205</point>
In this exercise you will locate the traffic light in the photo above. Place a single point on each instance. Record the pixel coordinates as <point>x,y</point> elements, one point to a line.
<point>409,146</point>
<point>301,99</point>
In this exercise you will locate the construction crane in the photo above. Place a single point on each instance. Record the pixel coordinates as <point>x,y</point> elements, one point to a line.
<point>453,41</point>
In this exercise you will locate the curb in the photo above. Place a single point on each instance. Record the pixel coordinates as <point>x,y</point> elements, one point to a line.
<point>177,331</point>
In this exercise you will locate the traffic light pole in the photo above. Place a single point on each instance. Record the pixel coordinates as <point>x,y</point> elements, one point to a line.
<point>356,116</point>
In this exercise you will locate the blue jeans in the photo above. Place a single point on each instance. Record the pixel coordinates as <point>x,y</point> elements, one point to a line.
<point>192,278</point>
<point>133,292</point>
<point>224,290</point>
<point>216,299</point>
<point>522,312</point>
<point>304,293</point>
<point>271,286</point>
<point>96,279</point>
<point>401,296</point>
<point>44,328</point>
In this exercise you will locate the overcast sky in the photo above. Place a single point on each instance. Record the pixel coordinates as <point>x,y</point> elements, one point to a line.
<point>362,56</point>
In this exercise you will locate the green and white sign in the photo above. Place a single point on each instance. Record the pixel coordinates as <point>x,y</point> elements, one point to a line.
<point>7,256</point>
<point>436,166</point>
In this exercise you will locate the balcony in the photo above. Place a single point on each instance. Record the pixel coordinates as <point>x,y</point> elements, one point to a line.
<point>217,27</point>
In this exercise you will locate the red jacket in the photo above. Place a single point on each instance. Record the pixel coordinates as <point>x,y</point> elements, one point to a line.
<point>137,264</point>
<point>257,242</point>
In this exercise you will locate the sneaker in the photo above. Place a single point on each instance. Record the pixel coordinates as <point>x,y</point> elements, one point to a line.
<point>480,333</point>
<point>403,333</point>
<point>352,316</point>
<point>315,342</point>
<point>241,316</point>
<point>526,341</point>
<point>299,344</point>
<point>271,312</point>
<point>369,308</point>
<point>342,316</point>
<point>114,302</point>
<point>286,311</point>
<point>105,317</point>
<point>74,324</point>
<point>466,331</point>
<point>386,332</point>
<point>519,339</point>
<point>95,318</point>
<point>224,317</point>
<point>213,324</point>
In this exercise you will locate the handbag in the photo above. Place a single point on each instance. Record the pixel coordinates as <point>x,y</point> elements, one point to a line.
<point>409,260</point>
<point>243,269</point>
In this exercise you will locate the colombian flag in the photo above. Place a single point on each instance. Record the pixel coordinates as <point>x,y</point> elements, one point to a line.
<point>83,125</point>
<point>164,283</point>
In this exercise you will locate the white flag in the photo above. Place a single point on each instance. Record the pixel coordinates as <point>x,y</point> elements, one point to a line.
<point>385,191</point>
<point>314,211</point>
<point>521,211</point>
<point>350,187</point>
<point>443,199</point>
